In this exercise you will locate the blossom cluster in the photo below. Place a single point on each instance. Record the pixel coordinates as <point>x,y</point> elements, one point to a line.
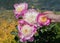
<point>28,21</point>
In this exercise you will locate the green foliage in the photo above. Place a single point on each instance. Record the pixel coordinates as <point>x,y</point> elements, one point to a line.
<point>45,34</point>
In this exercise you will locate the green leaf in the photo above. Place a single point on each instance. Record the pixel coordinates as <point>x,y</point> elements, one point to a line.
<point>16,27</point>
<point>14,33</point>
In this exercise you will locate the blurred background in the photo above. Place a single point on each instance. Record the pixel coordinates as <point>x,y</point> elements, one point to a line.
<point>8,22</point>
<point>41,4</point>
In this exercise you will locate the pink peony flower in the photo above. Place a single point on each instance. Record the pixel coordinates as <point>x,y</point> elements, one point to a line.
<point>20,9</point>
<point>26,32</point>
<point>30,16</point>
<point>43,20</point>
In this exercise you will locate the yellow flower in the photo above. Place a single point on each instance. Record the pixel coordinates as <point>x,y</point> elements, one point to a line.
<point>1,41</point>
<point>9,41</point>
<point>5,31</point>
<point>12,26</point>
<point>2,35</point>
<point>10,36</point>
<point>4,23</point>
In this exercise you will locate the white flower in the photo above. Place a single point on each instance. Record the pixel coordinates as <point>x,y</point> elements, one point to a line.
<point>26,31</point>
<point>30,16</point>
<point>20,8</point>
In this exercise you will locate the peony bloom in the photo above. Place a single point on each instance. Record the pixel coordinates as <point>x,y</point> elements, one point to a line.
<point>20,9</point>
<point>43,20</point>
<point>30,16</point>
<point>26,32</point>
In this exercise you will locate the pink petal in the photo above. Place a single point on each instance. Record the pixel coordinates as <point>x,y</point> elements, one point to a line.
<point>21,21</point>
<point>31,39</point>
<point>20,35</point>
<point>23,40</point>
<point>15,5</point>
<point>19,27</point>
<point>48,22</point>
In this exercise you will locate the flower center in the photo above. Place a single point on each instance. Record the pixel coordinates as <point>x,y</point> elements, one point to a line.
<point>26,30</point>
<point>43,19</point>
<point>19,9</point>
